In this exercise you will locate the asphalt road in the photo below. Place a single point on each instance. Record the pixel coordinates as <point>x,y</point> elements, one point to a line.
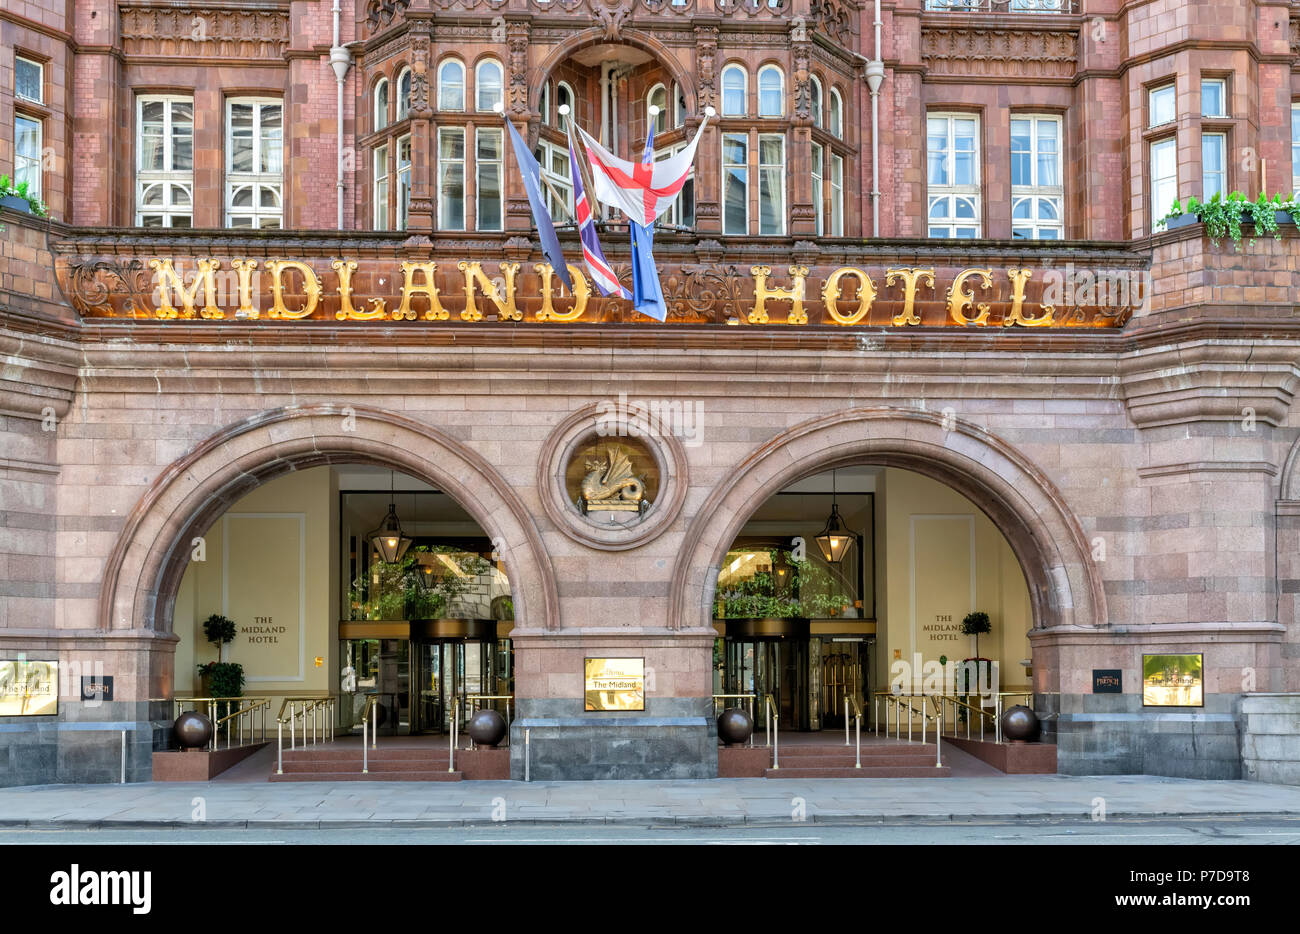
<point>1195,832</point>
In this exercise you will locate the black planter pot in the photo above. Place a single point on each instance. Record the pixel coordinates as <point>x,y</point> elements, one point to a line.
<point>1284,217</point>
<point>1182,220</point>
<point>15,203</point>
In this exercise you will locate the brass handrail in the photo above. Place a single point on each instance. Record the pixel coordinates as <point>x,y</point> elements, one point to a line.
<point>898,701</point>
<point>311,705</point>
<point>749,697</point>
<point>857,727</point>
<point>772,726</point>
<point>255,705</point>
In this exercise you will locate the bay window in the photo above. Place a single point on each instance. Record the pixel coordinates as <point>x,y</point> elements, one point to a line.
<point>735,183</point>
<point>488,177</point>
<point>381,187</point>
<point>771,184</point>
<point>451,178</point>
<point>1164,179</point>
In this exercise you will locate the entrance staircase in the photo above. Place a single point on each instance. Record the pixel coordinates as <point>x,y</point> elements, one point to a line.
<point>880,759</point>
<point>341,762</point>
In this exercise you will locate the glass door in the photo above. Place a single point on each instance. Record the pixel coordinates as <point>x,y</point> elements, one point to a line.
<point>771,666</point>
<point>449,672</point>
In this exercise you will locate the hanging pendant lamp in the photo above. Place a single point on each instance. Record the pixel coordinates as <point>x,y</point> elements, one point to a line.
<point>388,539</point>
<point>834,540</point>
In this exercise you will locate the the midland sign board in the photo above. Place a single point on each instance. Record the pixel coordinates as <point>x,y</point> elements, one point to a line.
<point>930,287</point>
<point>614,684</point>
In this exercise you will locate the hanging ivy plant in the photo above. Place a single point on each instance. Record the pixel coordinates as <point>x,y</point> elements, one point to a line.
<point>1223,217</point>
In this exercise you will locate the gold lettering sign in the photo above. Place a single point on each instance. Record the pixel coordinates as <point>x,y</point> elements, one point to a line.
<point>436,312</point>
<point>910,277</point>
<point>581,292</point>
<point>762,294</point>
<point>346,311</point>
<point>506,309</point>
<point>310,286</point>
<point>831,291</point>
<point>168,280</point>
<point>614,684</point>
<point>189,288</point>
<point>959,299</point>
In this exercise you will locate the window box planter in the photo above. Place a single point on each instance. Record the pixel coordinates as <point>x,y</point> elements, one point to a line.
<point>15,203</point>
<point>1182,220</point>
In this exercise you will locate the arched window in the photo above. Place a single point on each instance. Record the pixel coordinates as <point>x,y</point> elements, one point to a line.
<point>451,85</point>
<point>815,100</point>
<point>837,114</point>
<point>381,103</point>
<point>679,105</point>
<point>771,91</point>
<point>563,98</point>
<point>658,97</point>
<point>734,90</point>
<point>404,94</point>
<point>488,86</point>
<point>544,103</point>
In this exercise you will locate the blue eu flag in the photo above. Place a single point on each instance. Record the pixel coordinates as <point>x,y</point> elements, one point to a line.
<point>647,295</point>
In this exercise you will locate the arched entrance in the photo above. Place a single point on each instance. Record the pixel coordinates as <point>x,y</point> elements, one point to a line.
<point>147,562</point>
<point>1064,586</point>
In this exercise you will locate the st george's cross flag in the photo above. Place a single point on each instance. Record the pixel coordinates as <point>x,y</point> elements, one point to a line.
<point>597,265</point>
<point>641,191</point>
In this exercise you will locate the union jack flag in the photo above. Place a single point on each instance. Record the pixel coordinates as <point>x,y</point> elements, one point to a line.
<point>601,273</point>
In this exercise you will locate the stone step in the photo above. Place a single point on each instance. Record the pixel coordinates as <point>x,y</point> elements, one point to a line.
<point>842,761</point>
<point>886,750</point>
<point>360,776</point>
<point>914,771</point>
<point>336,765</point>
<point>350,753</point>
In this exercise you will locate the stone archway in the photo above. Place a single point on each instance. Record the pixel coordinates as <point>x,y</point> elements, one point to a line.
<point>1065,588</point>
<point>144,569</point>
<point>636,38</point>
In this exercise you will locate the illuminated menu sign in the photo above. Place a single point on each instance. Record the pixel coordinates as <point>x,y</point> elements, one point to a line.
<point>29,689</point>
<point>615,684</point>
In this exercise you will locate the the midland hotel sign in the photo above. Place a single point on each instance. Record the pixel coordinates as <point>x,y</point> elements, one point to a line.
<point>1017,293</point>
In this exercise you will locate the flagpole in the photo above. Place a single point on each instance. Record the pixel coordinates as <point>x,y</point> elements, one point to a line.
<point>583,169</point>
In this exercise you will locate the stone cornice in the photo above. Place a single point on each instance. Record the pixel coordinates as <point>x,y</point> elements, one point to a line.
<point>1210,381</point>
<point>37,375</point>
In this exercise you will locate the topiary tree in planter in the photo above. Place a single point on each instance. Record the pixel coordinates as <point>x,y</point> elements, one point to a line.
<point>976,624</point>
<point>220,631</point>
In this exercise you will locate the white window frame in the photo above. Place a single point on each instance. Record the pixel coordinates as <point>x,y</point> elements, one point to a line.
<point>1168,184</point>
<point>765,72</point>
<point>480,165</point>
<point>256,214</point>
<point>675,215</point>
<point>1222,139</point>
<point>379,161</point>
<point>480,104</point>
<point>1295,147</point>
<point>679,105</point>
<point>1036,194</point>
<point>403,94</point>
<point>40,79</point>
<point>818,156</point>
<point>836,127</point>
<point>380,104</point>
<point>744,167</point>
<point>818,103</point>
<point>402,176</point>
<point>544,103</point>
<point>661,119</point>
<point>765,173</point>
<point>445,87</point>
<point>444,165</point>
<point>837,195</point>
<point>27,167</point>
<point>548,155</point>
<point>167,176</point>
<point>1223,96</point>
<point>953,226</point>
<point>734,68</point>
<point>1157,93</point>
